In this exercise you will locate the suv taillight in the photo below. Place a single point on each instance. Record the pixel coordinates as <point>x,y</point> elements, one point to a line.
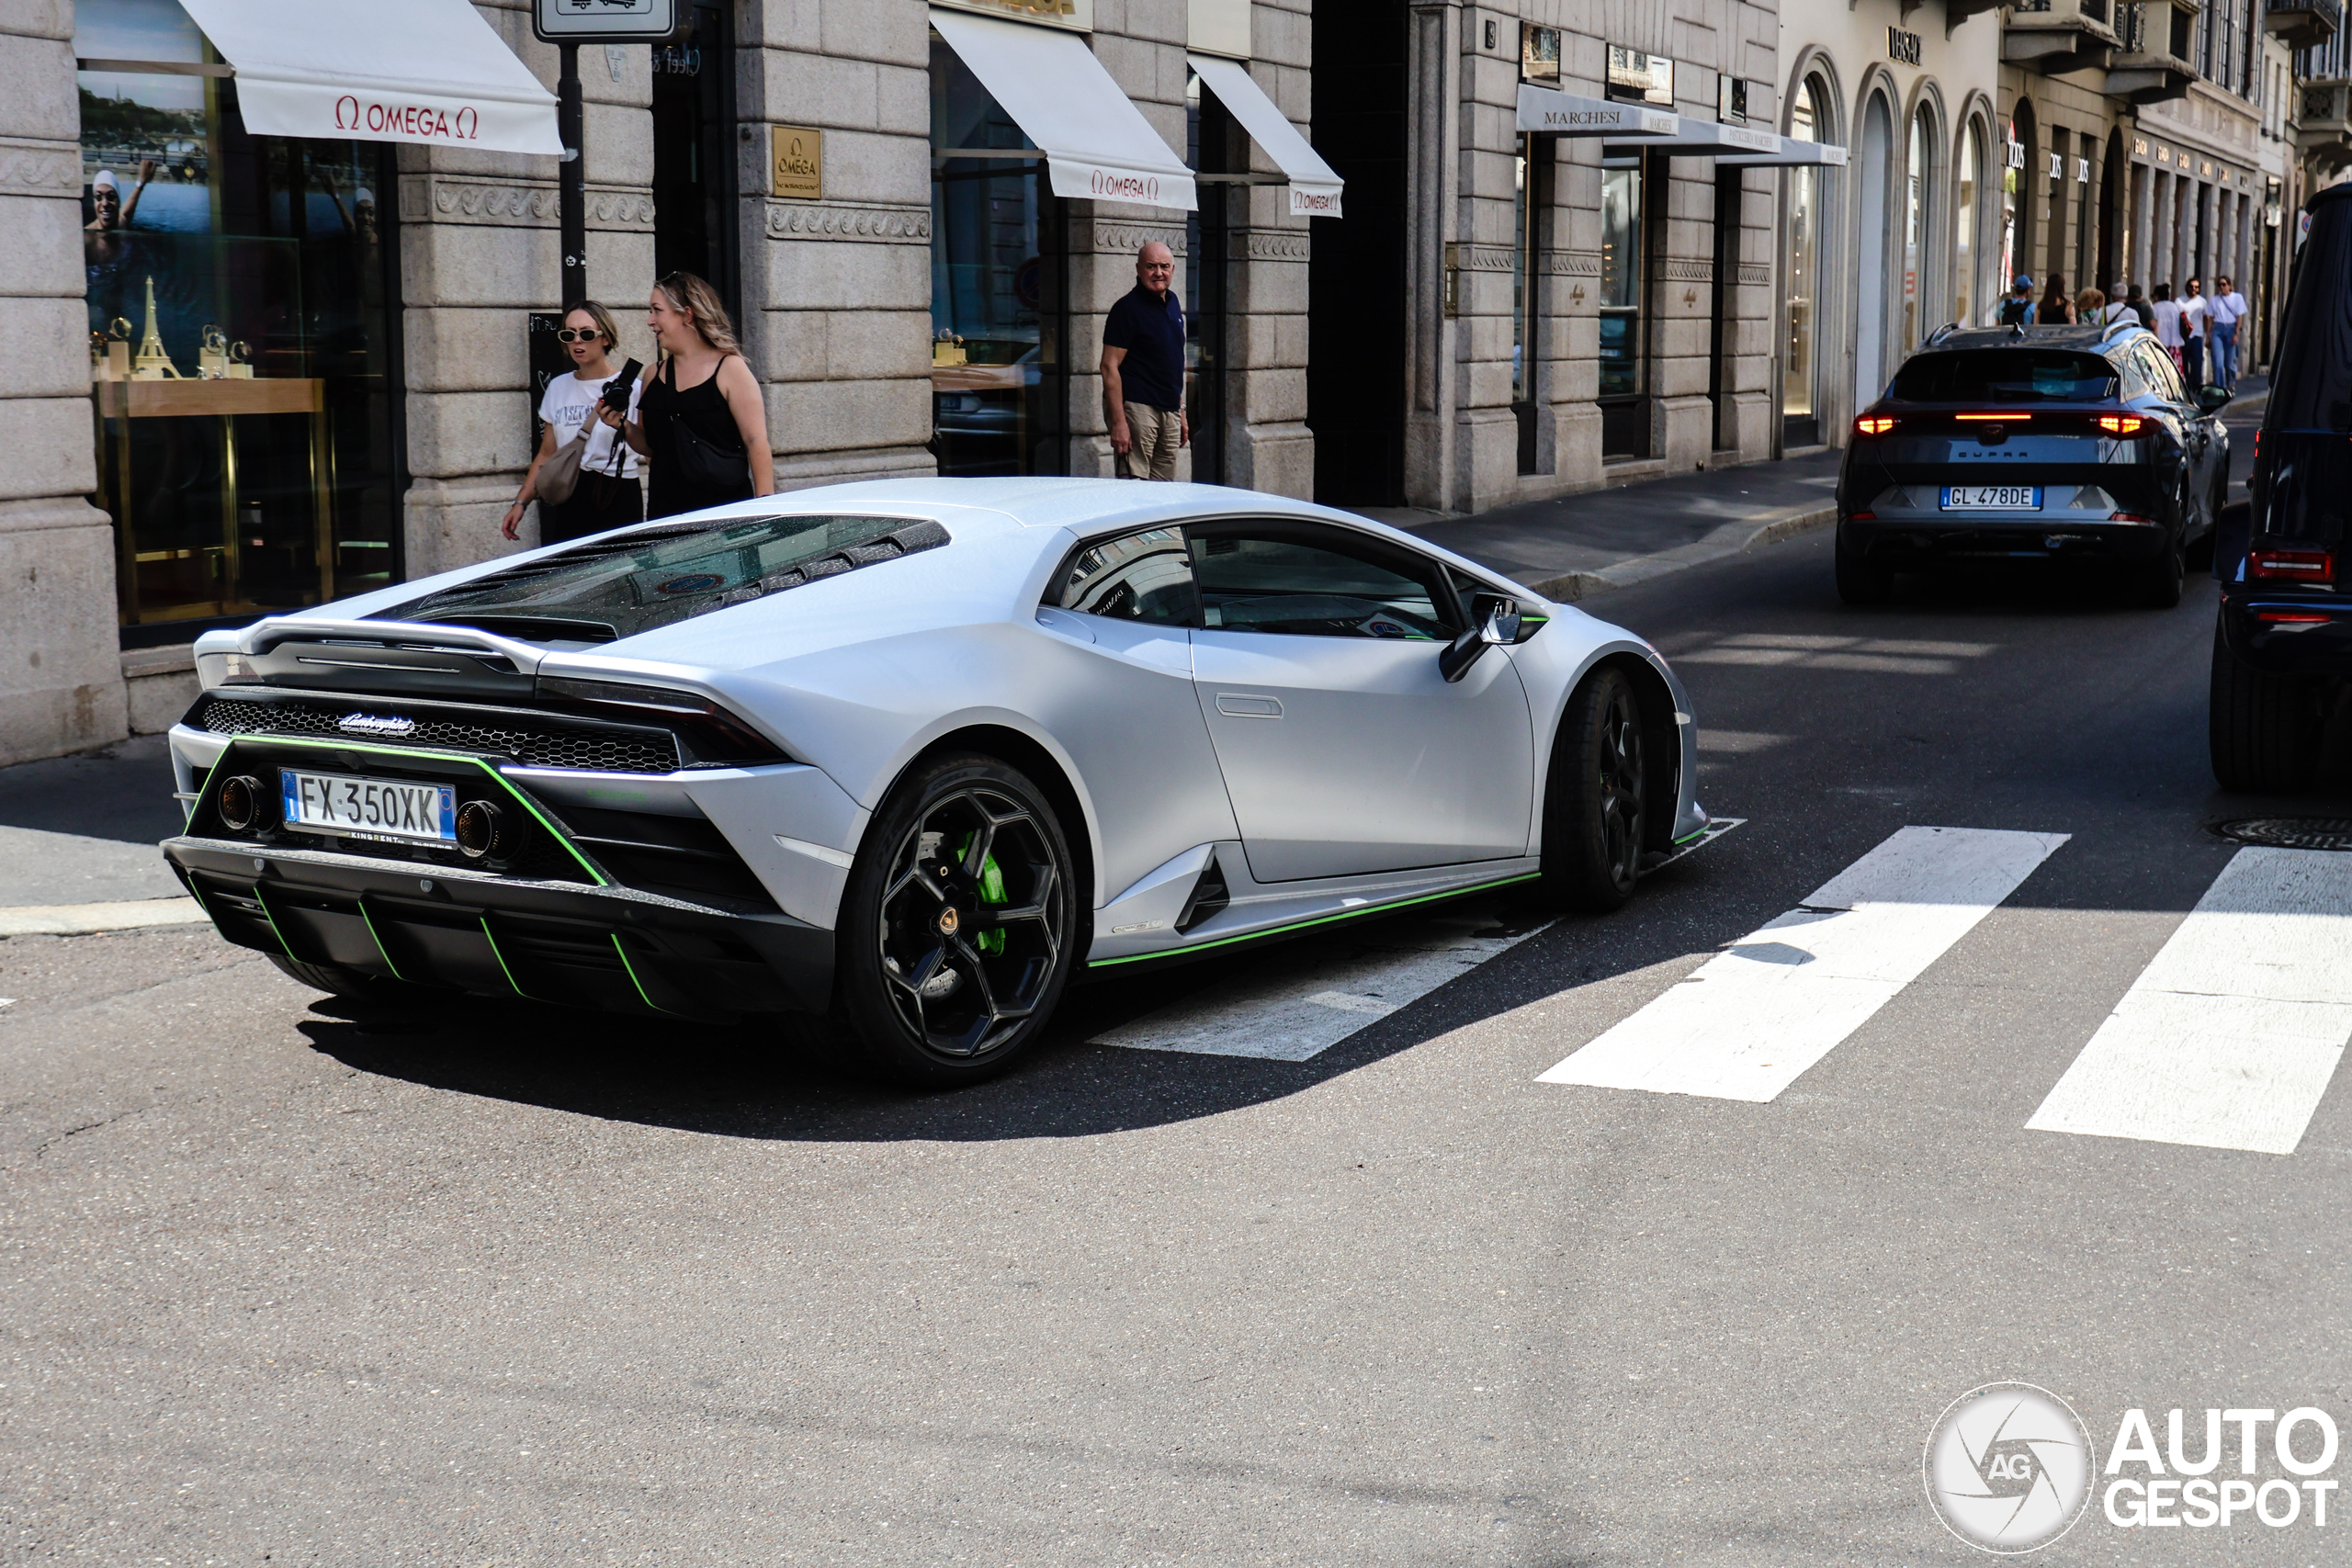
<point>2291,566</point>
<point>2121,424</point>
<point>1873,424</point>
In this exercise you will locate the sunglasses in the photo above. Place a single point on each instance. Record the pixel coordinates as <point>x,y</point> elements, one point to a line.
<point>577,334</point>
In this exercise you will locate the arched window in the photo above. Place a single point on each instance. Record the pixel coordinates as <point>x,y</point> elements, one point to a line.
<point>1918,200</point>
<point>1965,301</point>
<point>1800,398</point>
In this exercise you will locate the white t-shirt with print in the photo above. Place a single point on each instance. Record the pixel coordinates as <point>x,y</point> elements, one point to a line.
<point>568,401</point>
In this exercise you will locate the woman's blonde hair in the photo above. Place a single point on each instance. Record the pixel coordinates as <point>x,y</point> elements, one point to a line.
<point>602,317</point>
<point>699,303</point>
<point>2090,300</point>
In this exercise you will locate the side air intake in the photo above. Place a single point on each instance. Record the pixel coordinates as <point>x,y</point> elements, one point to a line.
<point>1208,898</point>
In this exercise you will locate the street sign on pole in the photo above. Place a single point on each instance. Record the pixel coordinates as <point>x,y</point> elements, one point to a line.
<point>604,21</point>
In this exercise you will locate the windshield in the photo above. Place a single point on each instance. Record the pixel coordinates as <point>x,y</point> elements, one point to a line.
<point>2006,375</point>
<point>617,588</point>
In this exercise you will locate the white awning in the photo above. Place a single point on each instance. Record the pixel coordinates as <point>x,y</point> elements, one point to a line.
<point>1793,154</point>
<point>1707,139</point>
<point>1314,186</point>
<point>1097,143</point>
<point>423,71</point>
<point>1566,114</point>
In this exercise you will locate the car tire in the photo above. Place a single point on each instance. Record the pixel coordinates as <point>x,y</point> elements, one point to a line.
<point>1859,582</point>
<point>919,990</point>
<point>1596,797</point>
<point>2263,729</point>
<point>337,980</point>
<point>2157,584</point>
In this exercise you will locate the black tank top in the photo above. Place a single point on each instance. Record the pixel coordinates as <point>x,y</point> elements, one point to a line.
<point>661,409</point>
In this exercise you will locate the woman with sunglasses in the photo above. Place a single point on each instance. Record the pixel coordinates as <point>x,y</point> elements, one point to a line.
<point>607,495</point>
<point>698,413</point>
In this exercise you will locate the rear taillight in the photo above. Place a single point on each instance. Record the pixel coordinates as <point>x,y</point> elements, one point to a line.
<point>1873,424</point>
<point>2291,566</point>
<point>2121,424</point>
<point>2290,618</point>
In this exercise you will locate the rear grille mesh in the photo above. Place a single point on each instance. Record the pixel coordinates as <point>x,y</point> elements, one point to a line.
<point>539,744</point>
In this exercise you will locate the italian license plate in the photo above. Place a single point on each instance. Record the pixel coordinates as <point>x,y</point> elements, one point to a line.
<point>1992,498</point>
<point>369,808</point>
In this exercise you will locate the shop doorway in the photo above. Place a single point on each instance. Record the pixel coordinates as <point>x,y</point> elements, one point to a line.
<point>999,287</point>
<point>1355,273</point>
<point>1869,322</point>
<point>1624,385</point>
<point>1722,316</point>
<point>1213,138</point>
<point>694,158</point>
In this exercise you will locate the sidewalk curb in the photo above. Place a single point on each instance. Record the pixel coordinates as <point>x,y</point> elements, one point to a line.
<point>84,920</point>
<point>1731,539</point>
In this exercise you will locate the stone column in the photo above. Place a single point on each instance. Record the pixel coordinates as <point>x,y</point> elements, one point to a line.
<point>61,671</point>
<point>837,291</point>
<point>478,254</point>
<point>1432,177</point>
<point>1486,429</point>
<point>1572,277</point>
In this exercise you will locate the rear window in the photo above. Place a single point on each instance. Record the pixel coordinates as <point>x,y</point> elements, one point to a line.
<point>2006,375</point>
<point>615,587</point>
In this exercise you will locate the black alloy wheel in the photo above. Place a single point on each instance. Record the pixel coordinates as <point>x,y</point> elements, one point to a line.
<point>957,930</point>
<point>1594,809</point>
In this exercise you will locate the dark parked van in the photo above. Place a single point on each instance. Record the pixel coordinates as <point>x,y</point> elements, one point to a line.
<point>2282,655</point>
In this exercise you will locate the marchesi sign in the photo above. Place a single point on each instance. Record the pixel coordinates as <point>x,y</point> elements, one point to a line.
<point>1566,114</point>
<point>1078,14</point>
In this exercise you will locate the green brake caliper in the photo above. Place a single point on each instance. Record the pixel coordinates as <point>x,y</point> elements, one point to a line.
<point>991,892</point>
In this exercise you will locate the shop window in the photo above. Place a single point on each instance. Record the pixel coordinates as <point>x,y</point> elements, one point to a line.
<point>1527,217</point>
<point>1918,196</point>
<point>241,318</point>
<point>1963,230</point>
<point>1801,425</point>
<point>1624,417</point>
<point>997,375</point>
<point>1212,147</point>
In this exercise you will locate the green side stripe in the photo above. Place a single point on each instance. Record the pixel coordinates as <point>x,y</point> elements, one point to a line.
<point>381,951</point>
<point>1321,920</point>
<point>630,969</point>
<point>412,754</point>
<point>491,937</point>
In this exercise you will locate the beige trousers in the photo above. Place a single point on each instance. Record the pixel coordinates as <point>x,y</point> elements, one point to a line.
<point>1155,434</point>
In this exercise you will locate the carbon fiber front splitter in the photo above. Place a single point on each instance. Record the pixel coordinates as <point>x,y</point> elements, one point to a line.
<point>609,948</point>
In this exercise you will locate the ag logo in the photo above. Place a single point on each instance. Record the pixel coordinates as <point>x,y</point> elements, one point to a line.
<point>2009,1467</point>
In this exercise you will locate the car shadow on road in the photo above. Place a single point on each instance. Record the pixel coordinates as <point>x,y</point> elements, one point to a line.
<point>749,1081</point>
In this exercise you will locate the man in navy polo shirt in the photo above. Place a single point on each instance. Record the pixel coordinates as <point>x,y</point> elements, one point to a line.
<point>1143,369</point>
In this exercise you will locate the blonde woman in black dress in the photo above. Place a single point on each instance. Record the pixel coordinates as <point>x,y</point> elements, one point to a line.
<point>699,418</point>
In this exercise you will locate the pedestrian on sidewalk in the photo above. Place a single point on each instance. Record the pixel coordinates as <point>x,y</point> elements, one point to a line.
<point>1143,369</point>
<point>2017,311</point>
<point>605,494</point>
<point>2094,309</point>
<point>2056,310</point>
<point>699,415</point>
<point>2140,307</point>
<point>2166,310</point>
<point>2193,309</point>
<point>2226,310</point>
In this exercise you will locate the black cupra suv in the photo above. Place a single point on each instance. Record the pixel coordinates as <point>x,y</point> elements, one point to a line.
<point>2036,444</point>
<point>2282,655</point>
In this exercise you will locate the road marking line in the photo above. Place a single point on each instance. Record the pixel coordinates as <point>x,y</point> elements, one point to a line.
<point>2229,1037</point>
<point>80,919</point>
<point>1318,991</point>
<point>1752,1017</point>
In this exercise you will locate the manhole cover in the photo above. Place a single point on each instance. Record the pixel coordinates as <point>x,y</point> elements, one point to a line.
<point>2292,832</point>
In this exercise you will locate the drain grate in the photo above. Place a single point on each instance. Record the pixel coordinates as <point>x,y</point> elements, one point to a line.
<point>2292,832</point>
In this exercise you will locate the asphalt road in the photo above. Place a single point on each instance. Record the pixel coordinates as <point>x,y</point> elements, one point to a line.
<point>523,1286</point>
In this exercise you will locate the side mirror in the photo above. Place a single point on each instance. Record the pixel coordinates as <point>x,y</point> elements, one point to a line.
<point>2212,399</point>
<point>1494,618</point>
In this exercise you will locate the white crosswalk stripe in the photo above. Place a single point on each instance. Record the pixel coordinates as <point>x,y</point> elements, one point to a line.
<point>2229,1037</point>
<point>1754,1018</point>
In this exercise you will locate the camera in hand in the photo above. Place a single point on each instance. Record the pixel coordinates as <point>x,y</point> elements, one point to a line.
<point>615,397</point>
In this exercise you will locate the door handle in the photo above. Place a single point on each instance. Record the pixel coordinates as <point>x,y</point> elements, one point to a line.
<point>1241,704</point>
